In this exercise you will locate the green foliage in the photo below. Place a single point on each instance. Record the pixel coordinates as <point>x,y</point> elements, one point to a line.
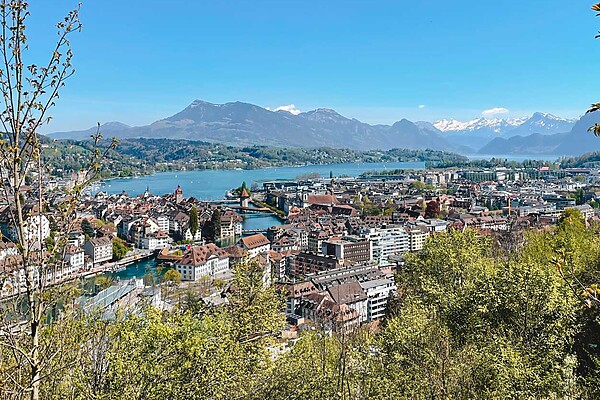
<point>215,223</point>
<point>196,351</point>
<point>148,279</point>
<point>468,322</point>
<point>251,300</point>
<point>120,249</point>
<point>588,160</point>
<point>419,186</point>
<point>492,163</point>
<point>513,318</point>
<point>271,207</point>
<point>194,220</point>
<point>87,228</point>
<point>144,156</point>
<point>173,276</point>
<point>103,282</point>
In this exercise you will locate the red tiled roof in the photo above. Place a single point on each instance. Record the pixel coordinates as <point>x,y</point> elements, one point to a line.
<point>321,199</point>
<point>236,251</point>
<point>254,241</point>
<point>200,254</point>
<point>347,292</point>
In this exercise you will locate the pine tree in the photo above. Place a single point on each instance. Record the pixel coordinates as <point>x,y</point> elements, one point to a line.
<point>215,221</point>
<point>194,220</point>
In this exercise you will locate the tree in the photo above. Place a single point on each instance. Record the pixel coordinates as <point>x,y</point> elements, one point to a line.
<point>103,282</point>
<point>433,210</point>
<point>172,276</point>
<point>29,91</point>
<point>215,223</point>
<point>508,318</point>
<point>87,228</point>
<point>120,249</point>
<point>579,197</point>
<point>195,351</point>
<point>148,279</point>
<point>255,307</point>
<point>194,221</point>
<point>417,186</point>
<point>596,106</point>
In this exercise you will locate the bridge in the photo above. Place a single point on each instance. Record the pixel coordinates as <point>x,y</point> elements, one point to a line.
<point>253,231</point>
<point>108,297</point>
<point>222,201</point>
<point>250,210</point>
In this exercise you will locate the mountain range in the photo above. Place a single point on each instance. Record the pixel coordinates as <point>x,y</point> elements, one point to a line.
<point>243,124</point>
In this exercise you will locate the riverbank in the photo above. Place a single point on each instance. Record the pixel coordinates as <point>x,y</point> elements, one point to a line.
<point>279,213</point>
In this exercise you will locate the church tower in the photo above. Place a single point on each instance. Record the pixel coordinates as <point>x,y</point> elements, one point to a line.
<point>178,194</point>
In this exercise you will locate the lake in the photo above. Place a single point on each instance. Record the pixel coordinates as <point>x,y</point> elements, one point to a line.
<point>213,184</point>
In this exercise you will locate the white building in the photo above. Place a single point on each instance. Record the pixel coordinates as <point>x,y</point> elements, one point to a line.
<point>188,235</point>
<point>255,244</point>
<point>378,292</point>
<point>416,238</point>
<point>36,226</point>
<point>586,210</point>
<point>388,241</point>
<point>208,260</point>
<point>231,224</point>
<point>74,260</point>
<point>155,241</point>
<point>76,239</point>
<point>99,249</point>
<point>163,222</point>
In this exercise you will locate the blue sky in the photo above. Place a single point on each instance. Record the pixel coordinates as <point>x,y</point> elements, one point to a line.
<point>377,61</point>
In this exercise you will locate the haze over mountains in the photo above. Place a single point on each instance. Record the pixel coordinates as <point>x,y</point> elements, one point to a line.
<point>243,124</point>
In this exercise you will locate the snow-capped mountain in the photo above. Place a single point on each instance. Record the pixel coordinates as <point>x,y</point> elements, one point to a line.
<point>478,132</point>
<point>494,125</point>
<point>576,141</point>
<point>543,123</point>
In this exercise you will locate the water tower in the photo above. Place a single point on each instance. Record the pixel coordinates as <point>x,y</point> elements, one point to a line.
<point>244,198</point>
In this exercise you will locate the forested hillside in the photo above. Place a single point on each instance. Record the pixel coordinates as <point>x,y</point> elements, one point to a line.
<point>144,156</point>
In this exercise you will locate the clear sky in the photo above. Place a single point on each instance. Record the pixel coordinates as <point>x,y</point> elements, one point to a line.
<point>377,61</point>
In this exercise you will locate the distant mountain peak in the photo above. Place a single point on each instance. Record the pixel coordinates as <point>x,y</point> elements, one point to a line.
<point>325,111</point>
<point>402,122</point>
<point>114,124</point>
<point>199,102</point>
<point>323,114</point>
<point>290,108</point>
